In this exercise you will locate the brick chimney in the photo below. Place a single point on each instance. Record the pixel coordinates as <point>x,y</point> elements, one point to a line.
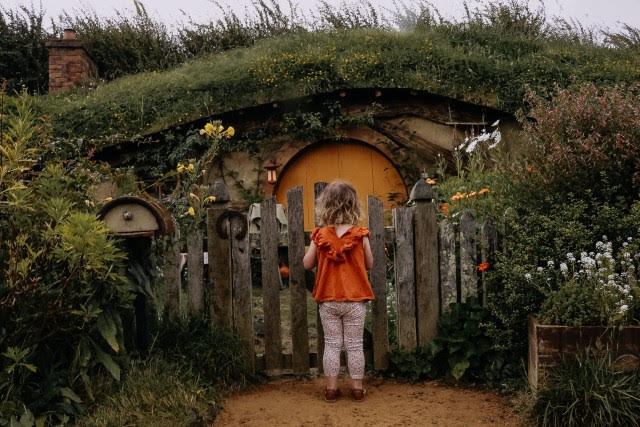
<point>69,63</point>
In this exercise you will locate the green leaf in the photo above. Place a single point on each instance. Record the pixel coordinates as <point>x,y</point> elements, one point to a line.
<point>107,362</point>
<point>41,421</point>
<point>29,366</point>
<point>69,394</point>
<point>108,330</point>
<point>458,370</point>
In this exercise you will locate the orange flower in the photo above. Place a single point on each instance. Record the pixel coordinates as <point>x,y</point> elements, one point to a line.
<point>459,195</point>
<point>471,194</point>
<point>431,181</point>
<point>484,191</point>
<point>445,209</point>
<point>483,267</point>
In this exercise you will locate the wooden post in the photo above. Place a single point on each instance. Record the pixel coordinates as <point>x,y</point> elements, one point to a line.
<point>171,275</point>
<point>195,267</point>
<point>270,285</point>
<point>405,283</point>
<point>468,255</point>
<point>488,247</point>
<point>220,282</point>
<point>299,327</point>
<point>378,274</point>
<point>426,262</point>
<point>448,287</point>
<point>241,279</point>
<point>317,189</point>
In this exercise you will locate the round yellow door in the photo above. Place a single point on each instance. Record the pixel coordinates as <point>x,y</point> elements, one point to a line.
<point>368,170</point>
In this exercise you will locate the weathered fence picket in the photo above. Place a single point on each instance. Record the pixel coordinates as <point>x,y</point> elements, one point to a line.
<point>195,269</point>
<point>405,284</point>
<point>448,286</point>
<point>468,255</point>
<point>297,285</point>
<point>218,248</point>
<point>241,279</point>
<point>425,231</point>
<point>379,316</point>
<point>171,275</point>
<point>270,285</point>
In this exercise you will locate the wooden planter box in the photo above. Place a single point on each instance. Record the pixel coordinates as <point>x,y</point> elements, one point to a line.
<point>548,343</point>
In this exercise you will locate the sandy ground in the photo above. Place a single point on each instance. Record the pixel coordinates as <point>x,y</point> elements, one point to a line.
<point>292,402</point>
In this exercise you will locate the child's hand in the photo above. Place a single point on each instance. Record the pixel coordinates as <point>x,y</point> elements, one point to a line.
<point>310,258</point>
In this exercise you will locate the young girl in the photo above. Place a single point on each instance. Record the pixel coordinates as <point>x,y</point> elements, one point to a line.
<point>342,253</point>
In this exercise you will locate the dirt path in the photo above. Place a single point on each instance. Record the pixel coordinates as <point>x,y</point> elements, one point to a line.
<point>388,403</point>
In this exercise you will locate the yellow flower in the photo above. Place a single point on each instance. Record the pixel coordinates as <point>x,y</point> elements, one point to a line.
<point>220,128</point>
<point>208,128</point>
<point>202,131</point>
<point>230,131</point>
<point>431,181</point>
<point>180,168</point>
<point>191,211</point>
<point>210,199</point>
<point>191,168</point>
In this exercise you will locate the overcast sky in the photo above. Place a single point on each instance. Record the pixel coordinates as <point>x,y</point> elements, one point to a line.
<point>607,14</point>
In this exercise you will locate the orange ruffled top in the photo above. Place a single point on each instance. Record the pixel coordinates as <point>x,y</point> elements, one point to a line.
<point>341,274</point>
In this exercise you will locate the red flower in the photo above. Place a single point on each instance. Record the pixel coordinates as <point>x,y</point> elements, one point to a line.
<point>483,267</point>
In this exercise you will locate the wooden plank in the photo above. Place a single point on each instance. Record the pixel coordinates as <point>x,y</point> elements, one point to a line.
<point>241,279</point>
<point>195,270</point>
<point>220,282</point>
<point>405,283</point>
<point>171,275</point>
<point>317,189</point>
<point>297,284</point>
<point>270,285</point>
<point>448,291</point>
<point>488,247</point>
<point>379,324</point>
<point>426,271</point>
<point>468,257</point>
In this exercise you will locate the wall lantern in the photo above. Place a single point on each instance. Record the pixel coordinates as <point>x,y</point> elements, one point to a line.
<point>272,176</point>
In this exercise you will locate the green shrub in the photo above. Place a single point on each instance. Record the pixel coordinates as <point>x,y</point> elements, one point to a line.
<point>461,350</point>
<point>588,391</point>
<point>61,287</point>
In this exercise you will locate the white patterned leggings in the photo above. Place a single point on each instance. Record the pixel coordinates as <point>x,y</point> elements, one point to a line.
<point>343,322</point>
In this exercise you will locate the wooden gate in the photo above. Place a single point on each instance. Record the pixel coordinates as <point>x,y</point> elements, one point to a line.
<point>434,267</point>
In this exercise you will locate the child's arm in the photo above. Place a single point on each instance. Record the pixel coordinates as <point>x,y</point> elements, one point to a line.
<point>368,256</point>
<point>310,258</point>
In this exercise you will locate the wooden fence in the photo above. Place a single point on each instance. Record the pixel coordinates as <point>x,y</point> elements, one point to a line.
<point>434,267</point>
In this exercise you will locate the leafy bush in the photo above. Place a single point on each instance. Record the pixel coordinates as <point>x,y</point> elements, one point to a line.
<point>462,350</point>
<point>61,291</point>
<point>589,391</point>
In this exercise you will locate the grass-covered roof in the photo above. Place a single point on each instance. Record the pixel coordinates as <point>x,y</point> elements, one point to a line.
<point>463,62</point>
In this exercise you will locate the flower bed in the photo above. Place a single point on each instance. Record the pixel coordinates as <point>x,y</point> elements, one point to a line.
<point>550,343</point>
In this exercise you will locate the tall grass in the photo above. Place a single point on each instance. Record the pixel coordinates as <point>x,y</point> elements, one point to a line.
<point>589,391</point>
<point>127,44</point>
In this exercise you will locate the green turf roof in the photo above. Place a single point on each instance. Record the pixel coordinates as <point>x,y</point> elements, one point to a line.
<point>487,72</point>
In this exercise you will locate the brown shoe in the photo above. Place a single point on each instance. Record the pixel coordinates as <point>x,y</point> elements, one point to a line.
<point>330,396</point>
<point>358,394</point>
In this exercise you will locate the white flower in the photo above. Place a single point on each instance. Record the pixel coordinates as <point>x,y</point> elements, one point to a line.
<point>539,269</point>
<point>527,277</point>
<point>625,244</point>
<point>629,239</point>
<point>604,237</point>
<point>624,308</point>
<point>563,267</point>
<point>599,245</point>
<point>550,263</point>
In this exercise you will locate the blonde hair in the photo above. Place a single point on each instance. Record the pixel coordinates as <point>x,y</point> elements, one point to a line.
<point>338,204</point>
